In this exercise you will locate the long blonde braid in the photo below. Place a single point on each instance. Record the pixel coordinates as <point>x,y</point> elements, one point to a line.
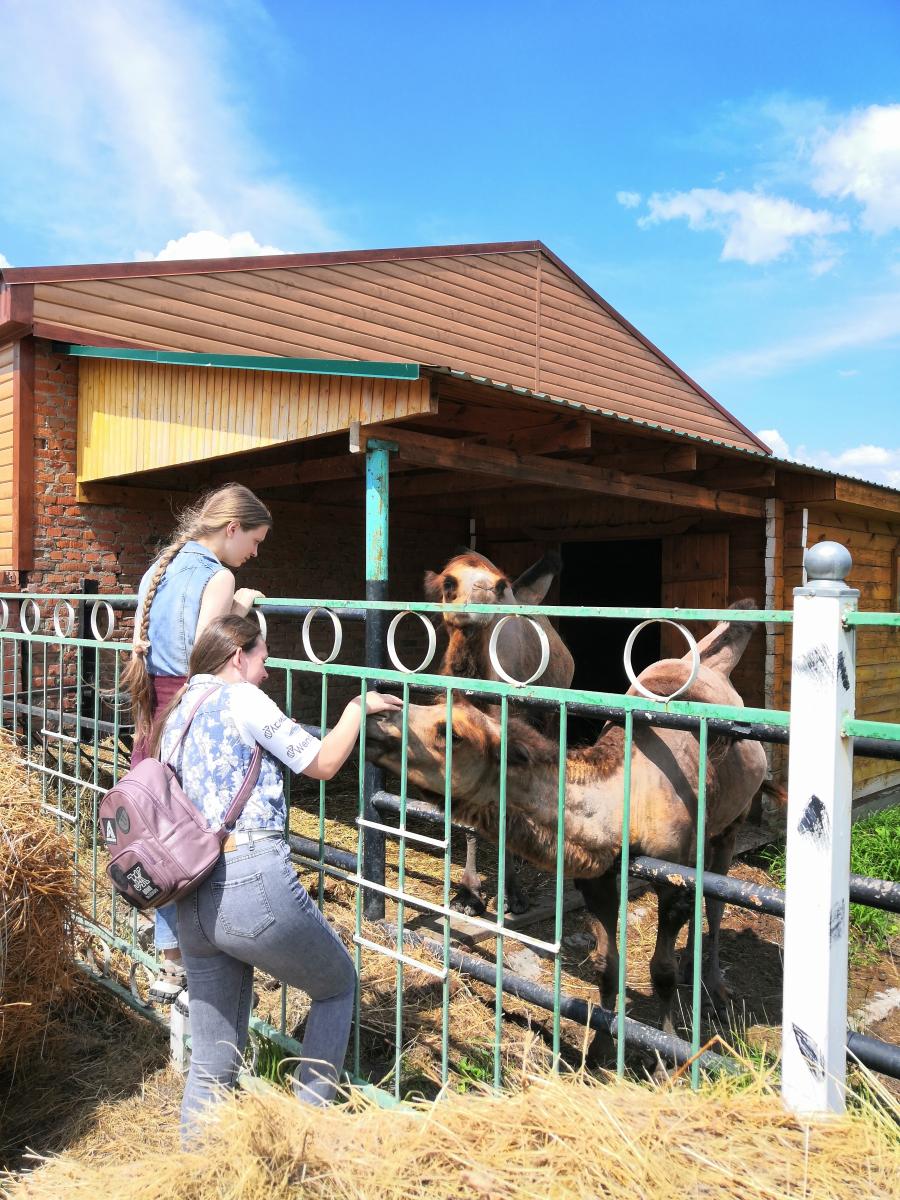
<point>212,512</point>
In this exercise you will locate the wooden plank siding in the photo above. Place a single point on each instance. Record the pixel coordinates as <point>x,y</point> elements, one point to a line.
<point>872,544</point>
<point>6,456</point>
<point>514,316</point>
<point>135,416</point>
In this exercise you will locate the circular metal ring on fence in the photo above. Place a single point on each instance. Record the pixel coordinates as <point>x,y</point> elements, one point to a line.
<point>4,614</point>
<point>392,648</point>
<point>263,625</point>
<point>137,965</point>
<point>29,630</point>
<point>692,645</point>
<point>110,621</point>
<point>495,661</point>
<point>70,618</point>
<point>338,636</point>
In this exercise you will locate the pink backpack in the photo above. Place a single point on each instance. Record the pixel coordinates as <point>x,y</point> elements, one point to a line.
<point>159,844</point>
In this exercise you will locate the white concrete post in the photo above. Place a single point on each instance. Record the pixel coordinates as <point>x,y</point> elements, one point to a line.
<point>820,792</point>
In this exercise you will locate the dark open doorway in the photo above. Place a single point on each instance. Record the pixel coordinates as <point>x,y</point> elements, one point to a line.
<point>608,574</point>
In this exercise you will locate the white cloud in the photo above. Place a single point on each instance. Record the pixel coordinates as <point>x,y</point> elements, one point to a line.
<point>204,243</point>
<point>878,464</point>
<point>757,227</point>
<point>4,261</point>
<point>629,199</point>
<point>775,442</point>
<point>860,160</point>
<point>132,121</point>
<point>875,321</point>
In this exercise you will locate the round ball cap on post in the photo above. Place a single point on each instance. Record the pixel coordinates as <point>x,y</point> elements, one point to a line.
<point>827,565</point>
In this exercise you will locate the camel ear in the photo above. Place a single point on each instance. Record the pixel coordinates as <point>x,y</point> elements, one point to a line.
<point>533,585</point>
<point>432,585</point>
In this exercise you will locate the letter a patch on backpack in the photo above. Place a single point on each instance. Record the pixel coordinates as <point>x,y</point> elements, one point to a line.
<point>109,832</point>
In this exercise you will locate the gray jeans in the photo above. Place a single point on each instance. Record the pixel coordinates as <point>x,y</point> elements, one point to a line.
<point>251,912</point>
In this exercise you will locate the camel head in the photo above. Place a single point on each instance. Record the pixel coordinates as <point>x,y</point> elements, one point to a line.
<point>475,752</point>
<point>470,578</point>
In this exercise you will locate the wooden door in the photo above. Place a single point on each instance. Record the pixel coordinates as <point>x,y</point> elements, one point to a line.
<point>694,575</point>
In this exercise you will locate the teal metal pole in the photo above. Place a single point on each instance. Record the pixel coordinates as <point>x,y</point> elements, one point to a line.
<point>377,475</point>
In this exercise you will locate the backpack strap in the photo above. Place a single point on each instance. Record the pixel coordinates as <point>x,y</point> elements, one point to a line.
<point>206,695</point>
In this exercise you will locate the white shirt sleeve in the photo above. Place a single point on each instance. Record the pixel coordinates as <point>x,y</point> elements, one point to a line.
<point>259,719</point>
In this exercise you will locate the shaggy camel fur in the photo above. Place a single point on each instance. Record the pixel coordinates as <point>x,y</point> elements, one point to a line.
<point>665,768</point>
<point>470,578</point>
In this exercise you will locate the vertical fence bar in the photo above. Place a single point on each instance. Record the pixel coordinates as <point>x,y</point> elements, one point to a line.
<point>358,899</point>
<point>401,888</point>
<point>820,791</point>
<point>501,889</point>
<point>560,874</point>
<point>623,894</point>
<point>377,474</point>
<point>448,834</point>
<point>696,1005</point>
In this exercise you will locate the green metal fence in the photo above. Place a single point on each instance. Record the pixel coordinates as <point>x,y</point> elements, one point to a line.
<point>61,659</point>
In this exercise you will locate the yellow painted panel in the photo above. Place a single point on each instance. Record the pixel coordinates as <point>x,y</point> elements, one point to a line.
<point>135,416</point>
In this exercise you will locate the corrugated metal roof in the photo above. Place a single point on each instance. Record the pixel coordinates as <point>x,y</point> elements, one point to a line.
<point>592,410</point>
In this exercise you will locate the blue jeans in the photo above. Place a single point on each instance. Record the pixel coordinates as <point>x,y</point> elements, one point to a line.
<point>166,927</point>
<point>253,912</point>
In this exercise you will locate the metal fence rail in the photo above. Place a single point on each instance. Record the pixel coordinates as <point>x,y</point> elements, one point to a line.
<point>60,694</point>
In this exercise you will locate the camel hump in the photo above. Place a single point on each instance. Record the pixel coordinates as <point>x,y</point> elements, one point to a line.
<point>722,648</point>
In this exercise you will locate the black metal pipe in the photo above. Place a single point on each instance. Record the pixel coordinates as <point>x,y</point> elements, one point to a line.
<point>756,897</point>
<point>874,1053</point>
<point>670,1048</point>
<point>875,893</point>
<point>332,856</point>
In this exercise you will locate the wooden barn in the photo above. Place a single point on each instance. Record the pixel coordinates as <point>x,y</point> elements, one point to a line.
<point>526,412</point>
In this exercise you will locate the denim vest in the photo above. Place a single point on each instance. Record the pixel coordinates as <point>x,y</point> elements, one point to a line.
<point>176,608</point>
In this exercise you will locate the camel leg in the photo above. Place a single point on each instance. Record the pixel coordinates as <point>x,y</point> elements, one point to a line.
<point>674,909</point>
<point>601,899</point>
<point>515,895</point>
<point>469,898</point>
<point>719,857</point>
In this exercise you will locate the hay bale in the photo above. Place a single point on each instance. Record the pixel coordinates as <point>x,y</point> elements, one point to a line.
<point>37,968</point>
<point>553,1137</point>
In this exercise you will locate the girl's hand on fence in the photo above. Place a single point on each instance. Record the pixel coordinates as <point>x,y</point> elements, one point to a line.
<point>243,600</point>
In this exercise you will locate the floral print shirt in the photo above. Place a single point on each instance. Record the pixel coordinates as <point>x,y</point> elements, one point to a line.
<point>212,760</point>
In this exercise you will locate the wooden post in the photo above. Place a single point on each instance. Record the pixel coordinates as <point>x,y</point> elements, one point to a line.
<point>820,793</point>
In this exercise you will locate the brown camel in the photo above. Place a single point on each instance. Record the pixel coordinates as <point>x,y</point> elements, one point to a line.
<point>663,800</point>
<point>470,578</point>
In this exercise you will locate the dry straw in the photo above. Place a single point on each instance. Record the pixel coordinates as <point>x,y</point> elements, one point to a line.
<point>36,900</point>
<point>552,1137</point>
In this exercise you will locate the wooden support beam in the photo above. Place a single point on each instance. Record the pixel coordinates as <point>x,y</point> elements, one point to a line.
<point>664,461</point>
<point>430,451</point>
<point>739,477</point>
<point>573,433</point>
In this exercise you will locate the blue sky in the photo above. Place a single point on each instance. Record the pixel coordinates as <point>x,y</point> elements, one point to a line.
<point>726,174</point>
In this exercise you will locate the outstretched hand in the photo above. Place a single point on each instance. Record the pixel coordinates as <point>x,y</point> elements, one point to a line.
<point>377,702</point>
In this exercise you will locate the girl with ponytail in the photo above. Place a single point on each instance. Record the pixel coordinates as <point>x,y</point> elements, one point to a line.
<point>190,584</point>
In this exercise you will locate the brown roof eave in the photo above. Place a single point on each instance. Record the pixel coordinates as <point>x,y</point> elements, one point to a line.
<point>196,266</point>
<point>16,311</point>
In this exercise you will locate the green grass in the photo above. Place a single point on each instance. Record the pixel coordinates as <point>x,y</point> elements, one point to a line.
<point>874,851</point>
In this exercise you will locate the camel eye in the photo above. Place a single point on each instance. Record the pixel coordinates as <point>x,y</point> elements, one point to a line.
<point>449,587</point>
<point>500,586</point>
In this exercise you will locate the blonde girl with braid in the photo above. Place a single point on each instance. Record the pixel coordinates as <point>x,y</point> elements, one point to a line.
<point>190,584</point>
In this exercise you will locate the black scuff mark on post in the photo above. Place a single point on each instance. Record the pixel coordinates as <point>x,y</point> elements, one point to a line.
<point>812,1055</point>
<point>818,663</point>
<point>842,671</point>
<point>815,822</point>
<point>837,920</point>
